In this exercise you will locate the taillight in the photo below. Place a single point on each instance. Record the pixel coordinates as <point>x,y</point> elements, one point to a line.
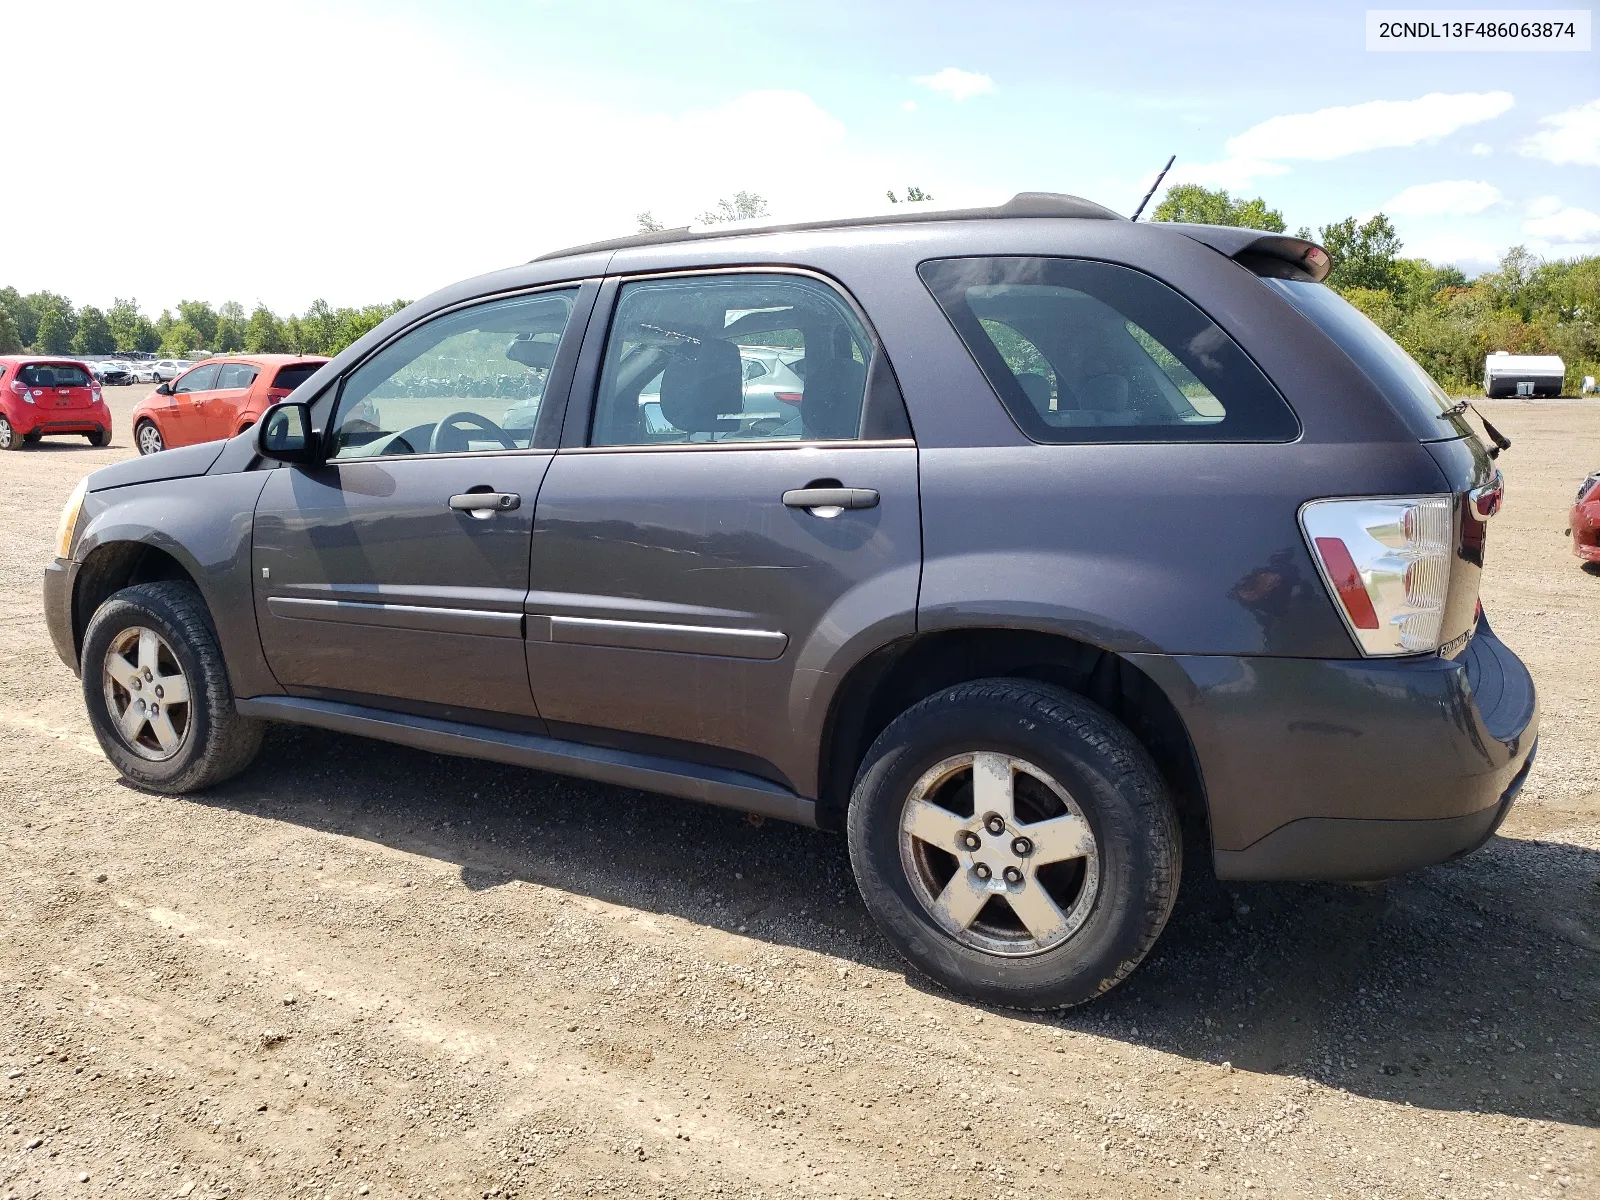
<point>789,397</point>
<point>1387,562</point>
<point>22,391</point>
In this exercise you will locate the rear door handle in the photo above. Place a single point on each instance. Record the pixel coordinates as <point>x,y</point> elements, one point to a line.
<point>485,504</point>
<point>831,497</point>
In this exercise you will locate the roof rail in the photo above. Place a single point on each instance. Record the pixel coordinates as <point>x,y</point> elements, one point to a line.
<point>1271,254</point>
<point>1023,204</point>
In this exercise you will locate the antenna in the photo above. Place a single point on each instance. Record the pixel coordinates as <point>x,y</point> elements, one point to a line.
<point>1154,186</point>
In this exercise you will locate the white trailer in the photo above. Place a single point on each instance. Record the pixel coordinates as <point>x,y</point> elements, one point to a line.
<point>1506,374</point>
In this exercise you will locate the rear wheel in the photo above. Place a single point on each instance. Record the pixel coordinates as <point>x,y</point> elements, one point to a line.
<point>148,438</point>
<point>8,436</point>
<point>1015,843</point>
<point>100,437</point>
<point>158,693</point>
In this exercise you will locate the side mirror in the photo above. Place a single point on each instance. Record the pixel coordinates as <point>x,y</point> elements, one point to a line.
<point>164,390</point>
<point>285,434</point>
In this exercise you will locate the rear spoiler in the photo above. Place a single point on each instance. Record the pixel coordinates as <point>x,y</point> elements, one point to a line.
<point>1276,255</point>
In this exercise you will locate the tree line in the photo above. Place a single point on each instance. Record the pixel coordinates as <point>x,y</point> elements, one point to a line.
<point>1448,324</point>
<point>48,323</point>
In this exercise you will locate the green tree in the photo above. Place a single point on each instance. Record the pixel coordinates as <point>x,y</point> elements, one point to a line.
<point>914,195</point>
<point>23,314</point>
<point>202,317</point>
<point>10,338</point>
<point>648,223</point>
<point>55,332</point>
<point>94,332</point>
<point>744,206</point>
<point>179,340</point>
<point>40,303</point>
<point>230,327</point>
<point>1363,255</point>
<point>1202,206</point>
<point>319,328</point>
<point>130,328</point>
<point>264,333</point>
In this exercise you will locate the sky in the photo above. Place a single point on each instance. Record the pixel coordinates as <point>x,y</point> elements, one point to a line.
<point>358,152</point>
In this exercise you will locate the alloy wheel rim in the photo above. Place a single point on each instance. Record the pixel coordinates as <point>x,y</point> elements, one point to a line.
<point>999,854</point>
<point>147,694</point>
<point>149,439</point>
<point>5,434</point>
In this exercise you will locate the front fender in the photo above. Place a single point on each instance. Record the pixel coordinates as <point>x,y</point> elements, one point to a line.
<point>204,523</point>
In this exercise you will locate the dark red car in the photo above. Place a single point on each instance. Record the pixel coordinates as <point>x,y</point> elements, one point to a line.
<point>217,398</point>
<point>1584,525</point>
<point>40,395</point>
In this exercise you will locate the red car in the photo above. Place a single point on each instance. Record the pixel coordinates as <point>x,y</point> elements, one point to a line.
<point>217,399</point>
<point>49,395</point>
<point>1585,522</point>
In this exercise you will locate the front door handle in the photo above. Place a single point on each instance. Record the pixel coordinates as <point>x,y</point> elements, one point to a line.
<point>485,504</point>
<point>831,497</point>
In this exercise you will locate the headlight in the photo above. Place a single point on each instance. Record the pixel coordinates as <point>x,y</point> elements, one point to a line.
<point>69,519</point>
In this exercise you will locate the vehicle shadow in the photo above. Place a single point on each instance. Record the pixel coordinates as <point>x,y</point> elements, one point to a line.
<point>1470,986</point>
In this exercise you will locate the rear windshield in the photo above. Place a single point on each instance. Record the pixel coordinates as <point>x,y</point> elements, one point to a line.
<point>1411,391</point>
<point>53,375</point>
<point>291,377</point>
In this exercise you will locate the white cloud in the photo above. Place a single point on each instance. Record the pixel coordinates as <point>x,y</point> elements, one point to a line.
<point>1332,133</point>
<point>1471,254</point>
<point>1448,197</point>
<point>454,173</point>
<point>1563,225</point>
<point>1570,137</point>
<point>956,83</point>
<point>1482,149</point>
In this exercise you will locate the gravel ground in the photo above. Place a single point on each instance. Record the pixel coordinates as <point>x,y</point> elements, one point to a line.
<point>363,970</point>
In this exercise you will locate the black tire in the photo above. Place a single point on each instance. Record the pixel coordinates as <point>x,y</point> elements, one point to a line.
<point>8,435</point>
<point>216,741</point>
<point>101,437</point>
<point>1112,781</point>
<point>141,438</point>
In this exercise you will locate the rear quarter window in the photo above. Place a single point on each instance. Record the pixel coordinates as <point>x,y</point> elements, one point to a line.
<point>1082,351</point>
<point>293,376</point>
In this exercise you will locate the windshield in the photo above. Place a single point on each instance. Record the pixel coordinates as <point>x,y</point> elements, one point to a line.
<point>1416,398</point>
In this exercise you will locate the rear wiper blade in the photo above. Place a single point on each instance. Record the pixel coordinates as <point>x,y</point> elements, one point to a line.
<point>1500,440</point>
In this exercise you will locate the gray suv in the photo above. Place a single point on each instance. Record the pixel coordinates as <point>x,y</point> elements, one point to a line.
<point>1078,533</point>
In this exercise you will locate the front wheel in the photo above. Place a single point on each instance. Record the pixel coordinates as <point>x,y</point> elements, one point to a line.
<point>158,693</point>
<point>1015,843</point>
<point>148,438</point>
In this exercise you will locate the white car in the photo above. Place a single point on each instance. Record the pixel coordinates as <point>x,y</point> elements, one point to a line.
<point>143,371</point>
<point>168,369</point>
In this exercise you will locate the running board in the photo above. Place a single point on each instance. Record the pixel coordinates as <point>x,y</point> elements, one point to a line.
<point>648,772</point>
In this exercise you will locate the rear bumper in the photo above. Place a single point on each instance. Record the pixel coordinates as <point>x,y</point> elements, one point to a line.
<point>30,418</point>
<point>59,578</point>
<point>1354,769</point>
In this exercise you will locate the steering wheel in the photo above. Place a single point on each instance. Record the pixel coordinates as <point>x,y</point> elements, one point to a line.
<point>453,426</point>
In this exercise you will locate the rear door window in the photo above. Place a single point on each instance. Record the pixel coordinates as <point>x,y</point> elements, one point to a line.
<point>236,375</point>
<point>1084,351</point>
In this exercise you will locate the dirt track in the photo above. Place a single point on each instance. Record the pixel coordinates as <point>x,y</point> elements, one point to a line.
<point>363,970</point>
